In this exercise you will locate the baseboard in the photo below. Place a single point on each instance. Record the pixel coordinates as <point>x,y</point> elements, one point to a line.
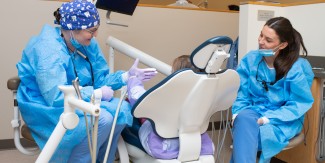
<point>273,159</point>
<point>10,144</point>
<point>276,160</point>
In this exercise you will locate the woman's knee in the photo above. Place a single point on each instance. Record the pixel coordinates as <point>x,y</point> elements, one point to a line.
<point>247,116</point>
<point>105,119</point>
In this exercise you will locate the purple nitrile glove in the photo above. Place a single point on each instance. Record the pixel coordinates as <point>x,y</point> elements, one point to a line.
<point>135,89</point>
<point>144,74</point>
<point>107,93</point>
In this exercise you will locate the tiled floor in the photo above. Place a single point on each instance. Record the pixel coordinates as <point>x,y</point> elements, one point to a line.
<point>222,148</point>
<point>14,156</point>
<point>221,156</point>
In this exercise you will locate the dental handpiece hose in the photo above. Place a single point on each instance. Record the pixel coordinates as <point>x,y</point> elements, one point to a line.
<point>96,100</point>
<point>68,121</point>
<point>123,93</point>
<point>95,133</point>
<point>76,85</point>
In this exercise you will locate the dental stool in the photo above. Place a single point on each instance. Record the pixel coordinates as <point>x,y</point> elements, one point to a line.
<point>12,84</point>
<point>181,105</point>
<point>299,138</point>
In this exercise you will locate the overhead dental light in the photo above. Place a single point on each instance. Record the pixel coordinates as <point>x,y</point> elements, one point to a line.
<point>183,3</point>
<point>126,7</point>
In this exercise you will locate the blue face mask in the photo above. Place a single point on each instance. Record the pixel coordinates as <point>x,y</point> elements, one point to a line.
<point>268,52</point>
<point>74,42</point>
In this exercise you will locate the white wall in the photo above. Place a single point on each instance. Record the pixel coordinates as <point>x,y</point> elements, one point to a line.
<point>307,19</point>
<point>250,27</point>
<point>20,21</point>
<point>166,33</point>
<point>161,32</point>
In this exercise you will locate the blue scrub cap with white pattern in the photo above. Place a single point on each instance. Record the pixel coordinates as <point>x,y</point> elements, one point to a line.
<point>78,15</point>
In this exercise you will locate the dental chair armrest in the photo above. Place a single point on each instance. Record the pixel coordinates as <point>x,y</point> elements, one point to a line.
<point>135,151</point>
<point>13,83</point>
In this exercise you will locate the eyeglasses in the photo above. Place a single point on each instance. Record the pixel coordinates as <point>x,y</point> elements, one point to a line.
<point>263,82</point>
<point>92,32</point>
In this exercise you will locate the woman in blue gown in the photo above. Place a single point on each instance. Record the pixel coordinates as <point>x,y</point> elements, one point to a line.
<point>56,57</point>
<point>274,94</point>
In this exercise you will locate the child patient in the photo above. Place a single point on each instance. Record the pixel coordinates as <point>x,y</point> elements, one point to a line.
<point>154,145</point>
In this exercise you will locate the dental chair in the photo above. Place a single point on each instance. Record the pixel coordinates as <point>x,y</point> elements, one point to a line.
<point>181,105</point>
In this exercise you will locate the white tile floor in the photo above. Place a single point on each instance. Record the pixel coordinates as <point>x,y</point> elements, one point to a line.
<point>225,153</point>
<point>14,156</point>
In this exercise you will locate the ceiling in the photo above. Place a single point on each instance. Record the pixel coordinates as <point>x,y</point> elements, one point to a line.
<point>214,4</point>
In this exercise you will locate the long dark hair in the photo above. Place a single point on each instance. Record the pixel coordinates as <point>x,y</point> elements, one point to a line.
<point>290,54</point>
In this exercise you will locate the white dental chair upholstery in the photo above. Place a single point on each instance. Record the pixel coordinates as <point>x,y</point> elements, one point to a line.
<point>181,105</point>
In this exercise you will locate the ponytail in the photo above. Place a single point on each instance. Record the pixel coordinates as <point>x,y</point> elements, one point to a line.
<point>299,42</point>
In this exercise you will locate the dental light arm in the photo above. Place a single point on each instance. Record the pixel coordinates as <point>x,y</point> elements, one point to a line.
<point>68,120</point>
<point>109,21</point>
<point>134,53</point>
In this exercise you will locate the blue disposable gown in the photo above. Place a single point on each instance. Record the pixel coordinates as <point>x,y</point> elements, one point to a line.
<point>46,63</point>
<point>284,104</point>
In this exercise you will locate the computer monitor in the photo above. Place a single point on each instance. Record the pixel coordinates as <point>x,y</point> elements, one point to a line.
<point>120,6</point>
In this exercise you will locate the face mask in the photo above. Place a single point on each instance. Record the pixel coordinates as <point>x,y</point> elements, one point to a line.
<point>74,42</point>
<point>268,52</point>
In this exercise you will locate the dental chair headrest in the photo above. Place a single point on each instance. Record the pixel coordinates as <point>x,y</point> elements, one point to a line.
<point>211,54</point>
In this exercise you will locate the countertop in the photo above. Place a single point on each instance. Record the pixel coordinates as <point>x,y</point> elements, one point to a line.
<point>319,74</point>
<point>318,65</point>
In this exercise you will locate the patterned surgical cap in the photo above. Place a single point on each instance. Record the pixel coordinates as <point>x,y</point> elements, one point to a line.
<point>78,15</point>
